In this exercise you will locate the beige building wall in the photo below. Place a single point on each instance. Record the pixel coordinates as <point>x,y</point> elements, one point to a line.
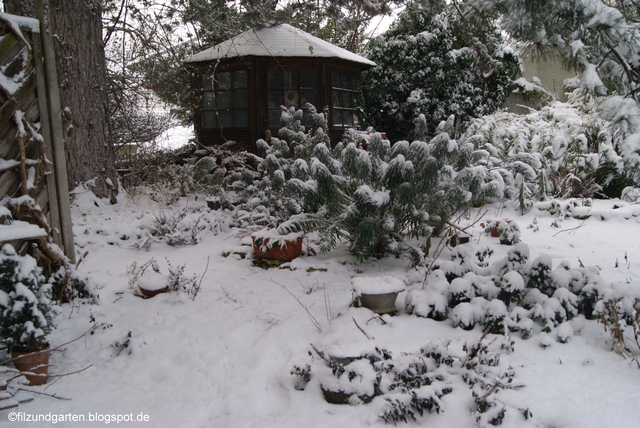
<point>551,75</point>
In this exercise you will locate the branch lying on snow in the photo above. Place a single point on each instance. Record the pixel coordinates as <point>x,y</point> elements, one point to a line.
<point>93,327</point>
<point>360,328</point>
<point>314,321</point>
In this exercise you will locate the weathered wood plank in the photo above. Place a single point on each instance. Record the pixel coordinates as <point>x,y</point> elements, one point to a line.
<point>57,134</point>
<point>7,43</point>
<point>9,182</point>
<point>15,64</point>
<point>52,210</point>
<point>22,99</point>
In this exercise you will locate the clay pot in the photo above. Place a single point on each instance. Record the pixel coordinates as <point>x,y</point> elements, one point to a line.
<point>213,204</point>
<point>379,303</point>
<point>153,284</point>
<point>287,252</point>
<point>152,292</point>
<point>26,361</point>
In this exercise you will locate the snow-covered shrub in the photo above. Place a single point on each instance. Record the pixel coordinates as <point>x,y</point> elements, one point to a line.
<point>179,228</point>
<point>405,386</point>
<point>630,194</point>
<point>586,146</point>
<point>434,63</point>
<point>176,280</point>
<point>373,198</point>
<point>26,308</point>
<point>619,311</point>
<point>511,293</point>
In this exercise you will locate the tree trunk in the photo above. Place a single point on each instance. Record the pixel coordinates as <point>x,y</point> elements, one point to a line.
<point>81,67</point>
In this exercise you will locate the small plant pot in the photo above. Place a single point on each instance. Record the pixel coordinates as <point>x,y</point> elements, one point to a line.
<point>213,203</point>
<point>378,294</point>
<point>287,251</point>
<point>341,397</point>
<point>380,303</point>
<point>336,397</point>
<point>496,231</point>
<point>151,292</point>
<point>34,362</point>
<point>153,285</point>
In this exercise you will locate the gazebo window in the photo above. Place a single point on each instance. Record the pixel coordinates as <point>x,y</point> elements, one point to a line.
<point>344,96</point>
<point>224,100</point>
<point>290,88</point>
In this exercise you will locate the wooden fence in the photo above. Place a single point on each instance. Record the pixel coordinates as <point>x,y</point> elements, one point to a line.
<point>32,158</point>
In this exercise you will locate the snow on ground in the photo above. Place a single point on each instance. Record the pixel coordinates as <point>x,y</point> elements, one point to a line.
<point>224,358</point>
<point>175,137</point>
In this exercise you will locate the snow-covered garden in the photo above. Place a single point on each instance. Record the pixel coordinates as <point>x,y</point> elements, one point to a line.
<point>225,356</point>
<point>535,327</point>
<point>501,251</point>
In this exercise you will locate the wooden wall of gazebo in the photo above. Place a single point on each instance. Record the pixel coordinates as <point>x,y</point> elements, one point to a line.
<point>329,76</point>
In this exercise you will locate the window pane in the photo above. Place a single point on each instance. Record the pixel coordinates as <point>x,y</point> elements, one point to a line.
<point>207,101</point>
<point>291,98</point>
<point>290,79</point>
<point>223,99</point>
<point>240,98</point>
<point>240,118</point>
<point>335,79</point>
<point>274,118</point>
<point>275,99</point>
<point>335,98</point>
<point>240,79</point>
<point>207,82</point>
<point>346,100</point>
<point>344,81</point>
<point>306,79</point>
<point>223,80</point>
<point>274,79</point>
<point>307,96</point>
<point>337,117</point>
<point>347,117</point>
<point>354,82</point>
<point>208,119</point>
<point>225,119</point>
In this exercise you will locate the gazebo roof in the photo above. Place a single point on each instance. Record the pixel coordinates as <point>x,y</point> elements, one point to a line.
<point>280,41</point>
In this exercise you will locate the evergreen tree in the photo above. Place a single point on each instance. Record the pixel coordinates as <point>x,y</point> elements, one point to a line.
<point>601,39</point>
<point>375,198</point>
<point>434,62</point>
<point>25,302</point>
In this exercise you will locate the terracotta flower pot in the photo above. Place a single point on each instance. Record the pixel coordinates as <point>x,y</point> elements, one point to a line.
<point>287,252</point>
<point>26,361</point>
<point>152,292</point>
<point>153,284</point>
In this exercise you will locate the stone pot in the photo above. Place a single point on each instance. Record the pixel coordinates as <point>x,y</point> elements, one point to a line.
<point>26,361</point>
<point>380,303</point>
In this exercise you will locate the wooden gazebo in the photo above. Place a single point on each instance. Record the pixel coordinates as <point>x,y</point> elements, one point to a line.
<point>240,84</point>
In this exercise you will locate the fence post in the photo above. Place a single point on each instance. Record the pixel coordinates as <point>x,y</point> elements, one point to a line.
<point>57,137</point>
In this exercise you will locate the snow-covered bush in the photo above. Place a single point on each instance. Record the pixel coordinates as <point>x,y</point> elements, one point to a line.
<point>578,149</point>
<point>374,197</point>
<point>26,308</point>
<point>512,293</point>
<point>406,386</point>
<point>433,62</point>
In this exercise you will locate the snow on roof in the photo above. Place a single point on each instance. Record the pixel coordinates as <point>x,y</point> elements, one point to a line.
<point>280,41</point>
